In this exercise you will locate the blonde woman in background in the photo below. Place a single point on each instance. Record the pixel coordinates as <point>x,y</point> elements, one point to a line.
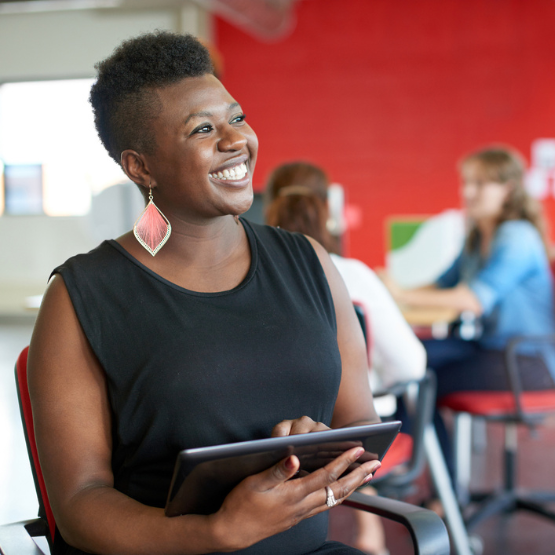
<point>502,275</point>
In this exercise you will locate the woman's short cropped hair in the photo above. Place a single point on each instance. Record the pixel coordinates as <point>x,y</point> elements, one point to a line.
<point>124,96</point>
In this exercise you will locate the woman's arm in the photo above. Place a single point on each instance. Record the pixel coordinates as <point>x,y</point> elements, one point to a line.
<point>73,432</point>
<point>460,298</point>
<point>354,405</point>
<point>446,292</point>
<point>516,252</point>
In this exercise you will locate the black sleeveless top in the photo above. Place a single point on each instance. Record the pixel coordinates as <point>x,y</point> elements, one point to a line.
<point>187,369</point>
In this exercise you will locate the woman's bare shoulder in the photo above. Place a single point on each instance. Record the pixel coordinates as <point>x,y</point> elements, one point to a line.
<point>58,344</point>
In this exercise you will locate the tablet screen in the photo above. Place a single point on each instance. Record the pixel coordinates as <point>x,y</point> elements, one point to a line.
<point>204,476</point>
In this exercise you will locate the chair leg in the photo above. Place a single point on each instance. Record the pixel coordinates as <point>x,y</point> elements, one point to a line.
<point>539,496</point>
<point>442,483</point>
<point>510,456</point>
<point>510,498</point>
<point>463,455</point>
<point>479,435</point>
<point>534,507</point>
<point>496,503</point>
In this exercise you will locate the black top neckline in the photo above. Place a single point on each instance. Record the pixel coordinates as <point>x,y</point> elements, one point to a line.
<point>250,274</point>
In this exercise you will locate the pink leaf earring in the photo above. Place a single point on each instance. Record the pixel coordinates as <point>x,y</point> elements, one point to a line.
<point>152,229</point>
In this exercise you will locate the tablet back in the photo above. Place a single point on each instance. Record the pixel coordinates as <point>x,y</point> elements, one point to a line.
<point>204,476</point>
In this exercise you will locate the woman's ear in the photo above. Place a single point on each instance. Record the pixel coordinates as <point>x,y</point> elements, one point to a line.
<point>134,166</point>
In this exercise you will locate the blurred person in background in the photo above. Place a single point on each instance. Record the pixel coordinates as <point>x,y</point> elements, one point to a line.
<point>395,354</point>
<point>502,276</point>
<point>306,175</point>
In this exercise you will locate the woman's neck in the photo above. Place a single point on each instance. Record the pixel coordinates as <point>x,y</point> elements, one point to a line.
<point>486,228</point>
<point>211,257</point>
<point>203,244</point>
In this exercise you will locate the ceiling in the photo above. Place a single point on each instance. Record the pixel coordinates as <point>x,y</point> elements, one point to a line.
<point>265,19</point>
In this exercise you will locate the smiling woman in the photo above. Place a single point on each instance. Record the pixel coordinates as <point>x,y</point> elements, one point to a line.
<point>232,332</point>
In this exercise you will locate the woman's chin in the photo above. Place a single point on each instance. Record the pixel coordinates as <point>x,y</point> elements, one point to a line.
<point>242,205</point>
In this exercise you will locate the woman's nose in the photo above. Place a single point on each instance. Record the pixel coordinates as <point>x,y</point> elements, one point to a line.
<point>232,139</point>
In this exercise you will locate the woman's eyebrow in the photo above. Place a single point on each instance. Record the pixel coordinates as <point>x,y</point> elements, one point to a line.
<point>198,115</point>
<point>209,114</point>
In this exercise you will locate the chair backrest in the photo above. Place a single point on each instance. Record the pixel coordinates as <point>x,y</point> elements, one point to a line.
<point>361,315</point>
<point>366,331</point>
<point>45,510</point>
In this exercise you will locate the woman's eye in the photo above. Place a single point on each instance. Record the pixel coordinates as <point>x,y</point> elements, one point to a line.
<point>206,128</point>
<point>239,119</point>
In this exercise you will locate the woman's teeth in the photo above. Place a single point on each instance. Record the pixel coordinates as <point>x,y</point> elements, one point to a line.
<point>232,174</point>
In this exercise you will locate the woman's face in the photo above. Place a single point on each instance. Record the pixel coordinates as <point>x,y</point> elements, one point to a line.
<point>205,151</point>
<point>483,199</point>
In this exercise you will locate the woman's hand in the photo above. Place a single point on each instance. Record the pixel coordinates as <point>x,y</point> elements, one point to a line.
<point>270,502</point>
<point>303,425</point>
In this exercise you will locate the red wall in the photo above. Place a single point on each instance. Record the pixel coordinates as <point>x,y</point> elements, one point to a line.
<point>387,95</point>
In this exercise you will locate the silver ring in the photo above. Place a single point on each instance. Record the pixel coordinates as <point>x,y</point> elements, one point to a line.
<point>330,498</point>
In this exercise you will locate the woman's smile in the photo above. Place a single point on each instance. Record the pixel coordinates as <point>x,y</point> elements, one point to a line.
<point>234,173</point>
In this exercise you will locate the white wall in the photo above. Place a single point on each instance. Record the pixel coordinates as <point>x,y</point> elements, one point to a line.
<point>68,44</point>
<point>57,45</point>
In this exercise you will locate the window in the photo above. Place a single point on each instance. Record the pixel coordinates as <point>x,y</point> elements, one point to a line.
<point>51,160</point>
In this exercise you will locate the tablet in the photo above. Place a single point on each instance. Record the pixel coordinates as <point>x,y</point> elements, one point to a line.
<point>203,477</point>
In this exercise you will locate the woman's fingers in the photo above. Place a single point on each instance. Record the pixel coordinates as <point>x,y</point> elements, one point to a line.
<point>330,476</point>
<point>339,490</point>
<point>303,425</point>
<point>276,475</point>
<point>289,467</point>
<point>349,483</point>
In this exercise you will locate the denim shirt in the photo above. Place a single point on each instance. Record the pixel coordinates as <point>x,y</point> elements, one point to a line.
<point>513,284</point>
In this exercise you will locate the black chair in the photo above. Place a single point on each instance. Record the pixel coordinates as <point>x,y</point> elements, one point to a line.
<point>427,530</point>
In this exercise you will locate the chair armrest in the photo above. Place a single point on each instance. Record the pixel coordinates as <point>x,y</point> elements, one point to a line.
<point>427,530</point>
<point>513,371</point>
<point>15,538</point>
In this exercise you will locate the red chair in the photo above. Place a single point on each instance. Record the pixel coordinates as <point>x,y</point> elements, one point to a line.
<point>427,530</point>
<point>512,408</point>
